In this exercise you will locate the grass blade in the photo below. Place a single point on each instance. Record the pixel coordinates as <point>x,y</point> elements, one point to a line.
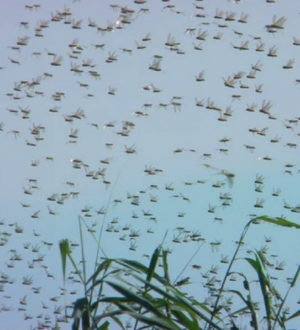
<point>295,277</point>
<point>138,267</point>
<point>292,284</point>
<point>166,266</point>
<point>82,253</point>
<point>264,285</point>
<point>160,323</point>
<point>175,297</point>
<point>120,324</point>
<point>104,326</point>
<point>79,313</point>
<point>294,315</point>
<point>249,306</point>
<point>153,263</point>
<point>278,221</point>
<point>104,265</point>
<point>141,301</point>
<point>65,251</point>
<point>184,320</point>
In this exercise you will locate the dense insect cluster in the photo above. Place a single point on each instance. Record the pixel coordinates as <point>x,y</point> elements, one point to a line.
<point>143,118</point>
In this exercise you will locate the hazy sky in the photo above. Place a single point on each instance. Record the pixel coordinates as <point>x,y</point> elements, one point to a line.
<point>88,95</point>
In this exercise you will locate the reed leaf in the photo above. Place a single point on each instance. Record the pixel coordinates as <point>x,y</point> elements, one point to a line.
<point>65,251</point>
<point>153,263</point>
<point>278,221</point>
<point>132,297</point>
<point>294,315</point>
<point>265,286</point>
<point>166,266</point>
<point>175,297</point>
<point>104,326</point>
<point>190,324</point>
<point>104,265</point>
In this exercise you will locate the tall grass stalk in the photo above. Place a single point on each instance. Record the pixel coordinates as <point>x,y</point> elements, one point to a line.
<point>154,301</point>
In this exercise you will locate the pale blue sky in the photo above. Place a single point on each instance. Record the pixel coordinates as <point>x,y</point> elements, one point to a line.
<point>155,136</point>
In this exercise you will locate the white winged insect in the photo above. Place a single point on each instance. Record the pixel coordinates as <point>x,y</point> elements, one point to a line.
<point>229,175</point>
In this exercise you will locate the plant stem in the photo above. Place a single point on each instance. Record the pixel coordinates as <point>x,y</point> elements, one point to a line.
<point>215,309</point>
<point>104,218</point>
<point>187,264</point>
<point>82,256</point>
<point>293,282</point>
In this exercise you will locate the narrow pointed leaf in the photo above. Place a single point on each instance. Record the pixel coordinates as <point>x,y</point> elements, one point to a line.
<point>104,265</point>
<point>104,326</point>
<point>278,221</point>
<point>185,321</point>
<point>153,263</point>
<point>162,324</point>
<point>101,279</point>
<point>294,315</point>
<point>264,284</point>
<point>64,253</point>
<point>295,277</point>
<point>240,295</point>
<point>135,298</point>
<point>116,319</point>
<point>166,266</point>
<point>176,297</point>
<point>139,268</point>
<point>239,311</point>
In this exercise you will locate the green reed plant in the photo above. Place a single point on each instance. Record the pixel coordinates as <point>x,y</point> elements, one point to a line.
<point>152,300</point>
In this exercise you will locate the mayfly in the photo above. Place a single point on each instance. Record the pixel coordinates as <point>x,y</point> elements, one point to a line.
<point>229,175</point>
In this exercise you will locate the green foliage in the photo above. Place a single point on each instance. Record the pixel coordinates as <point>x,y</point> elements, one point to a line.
<point>65,251</point>
<point>146,294</point>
